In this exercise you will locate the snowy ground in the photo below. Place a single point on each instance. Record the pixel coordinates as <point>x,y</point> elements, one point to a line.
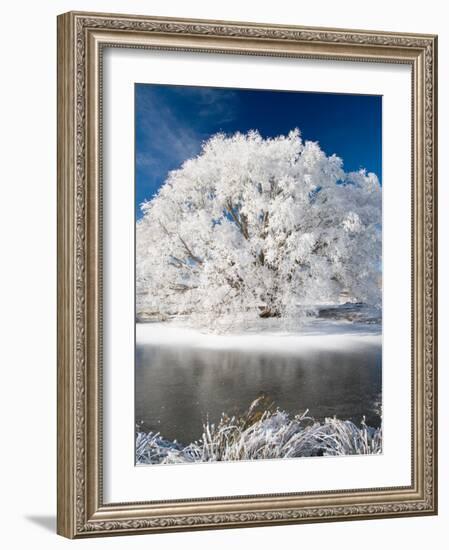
<point>317,334</point>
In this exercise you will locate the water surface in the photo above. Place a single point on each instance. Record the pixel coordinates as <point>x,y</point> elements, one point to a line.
<point>178,387</point>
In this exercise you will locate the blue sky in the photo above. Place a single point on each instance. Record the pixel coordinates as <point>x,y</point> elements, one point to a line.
<point>171,122</point>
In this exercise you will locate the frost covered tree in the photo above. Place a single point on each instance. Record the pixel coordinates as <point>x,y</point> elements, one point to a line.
<point>259,227</point>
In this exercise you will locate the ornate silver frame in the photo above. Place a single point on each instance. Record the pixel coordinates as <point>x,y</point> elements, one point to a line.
<point>81,39</point>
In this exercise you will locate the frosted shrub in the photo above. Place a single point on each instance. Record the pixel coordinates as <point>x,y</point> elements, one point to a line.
<point>263,435</point>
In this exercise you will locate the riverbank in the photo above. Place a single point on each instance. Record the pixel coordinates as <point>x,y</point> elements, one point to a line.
<point>262,433</point>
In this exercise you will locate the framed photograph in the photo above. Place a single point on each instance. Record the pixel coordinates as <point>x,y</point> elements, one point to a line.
<point>246,274</point>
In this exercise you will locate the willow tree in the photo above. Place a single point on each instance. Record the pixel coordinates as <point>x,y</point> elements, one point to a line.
<point>259,227</point>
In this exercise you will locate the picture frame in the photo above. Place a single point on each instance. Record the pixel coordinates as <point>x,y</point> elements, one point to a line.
<point>82,40</point>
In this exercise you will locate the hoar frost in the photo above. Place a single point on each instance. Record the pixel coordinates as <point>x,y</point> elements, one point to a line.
<point>259,228</point>
<point>262,432</point>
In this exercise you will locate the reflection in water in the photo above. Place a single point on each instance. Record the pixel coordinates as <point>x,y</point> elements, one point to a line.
<point>178,388</point>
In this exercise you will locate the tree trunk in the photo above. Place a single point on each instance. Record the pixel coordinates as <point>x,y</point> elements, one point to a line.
<point>268,312</point>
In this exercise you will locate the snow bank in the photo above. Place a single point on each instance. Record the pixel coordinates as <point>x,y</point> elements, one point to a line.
<point>317,335</point>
